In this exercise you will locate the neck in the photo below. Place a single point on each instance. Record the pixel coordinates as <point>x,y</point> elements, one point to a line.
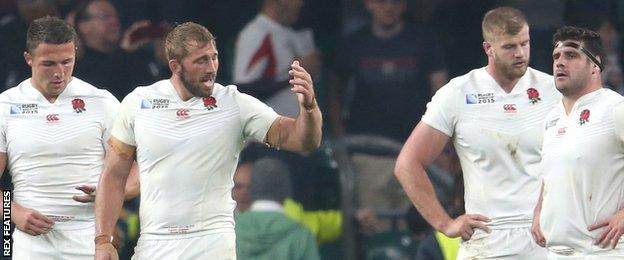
<point>505,83</point>
<point>178,85</point>
<point>387,31</point>
<point>570,99</point>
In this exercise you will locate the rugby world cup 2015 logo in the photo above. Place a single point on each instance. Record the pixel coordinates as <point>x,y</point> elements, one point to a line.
<point>78,105</point>
<point>210,102</point>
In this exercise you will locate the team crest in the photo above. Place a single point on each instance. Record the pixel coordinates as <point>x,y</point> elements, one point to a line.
<point>534,95</point>
<point>78,105</point>
<point>210,102</point>
<point>584,117</point>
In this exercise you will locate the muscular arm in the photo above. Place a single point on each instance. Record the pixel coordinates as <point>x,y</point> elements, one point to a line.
<point>422,147</point>
<point>536,229</point>
<point>111,186</point>
<point>304,133</point>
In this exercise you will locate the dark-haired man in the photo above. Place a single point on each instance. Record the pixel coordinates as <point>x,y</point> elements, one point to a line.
<point>581,214</point>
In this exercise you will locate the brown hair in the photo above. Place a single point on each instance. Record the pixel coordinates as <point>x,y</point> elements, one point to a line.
<point>184,36</point>
<point>502,20</point>
<point>50,30</point>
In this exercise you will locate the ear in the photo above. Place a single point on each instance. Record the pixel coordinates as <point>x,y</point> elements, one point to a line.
<point>487,48</point>
<point>174,66</point>
<point>29,58</point>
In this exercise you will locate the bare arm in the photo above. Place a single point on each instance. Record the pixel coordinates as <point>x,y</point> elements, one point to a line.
<point>111,187</point>
<point>536,229</point>
<point>304,133</point>
<point>133,187</point>
<point>422,147</point>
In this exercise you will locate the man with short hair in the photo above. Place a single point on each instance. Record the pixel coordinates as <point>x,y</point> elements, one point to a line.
<point>580,210</point>
<point>187,133</point>
<point>53,129</point>
<point>494,117</point>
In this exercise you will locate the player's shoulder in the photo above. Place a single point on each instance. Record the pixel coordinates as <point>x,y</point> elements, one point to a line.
<point>610,97</point>
<point>467,82</point>
<point>158,89</point>
<point>230,92</point>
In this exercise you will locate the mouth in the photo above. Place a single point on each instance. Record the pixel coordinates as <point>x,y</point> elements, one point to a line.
<point>57,83</point>
<point>519,64</point>
<point>559,75</point>
<point>208,80</point>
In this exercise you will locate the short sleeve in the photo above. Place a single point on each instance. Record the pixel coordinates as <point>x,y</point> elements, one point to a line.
<point>256,117</point>
<point>111,108</point>
<point>123,127</point>
<point>442,110</point>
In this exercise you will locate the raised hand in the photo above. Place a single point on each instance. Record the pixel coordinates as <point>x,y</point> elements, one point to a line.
<point>302,85</point>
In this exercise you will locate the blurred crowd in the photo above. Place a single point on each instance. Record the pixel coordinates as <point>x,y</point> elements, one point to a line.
<point>375,64</point>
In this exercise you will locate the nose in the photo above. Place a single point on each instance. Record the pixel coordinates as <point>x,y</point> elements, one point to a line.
<point>58,71</point>
<point>212,65</point>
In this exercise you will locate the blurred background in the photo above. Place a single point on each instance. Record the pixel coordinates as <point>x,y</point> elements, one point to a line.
<point>375,64</point>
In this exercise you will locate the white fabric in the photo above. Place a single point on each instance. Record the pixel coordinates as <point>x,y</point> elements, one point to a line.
<point>187,161</point>
<point>583,165</point>
<point>53,148</point>
<point>509,244</point>
<point>497,137</point>
<point>215,246</point>
<point>76,244</point>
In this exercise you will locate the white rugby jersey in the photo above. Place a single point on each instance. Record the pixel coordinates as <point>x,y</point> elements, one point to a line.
<point>54,147</point>
<point>583,166</point>
<point>498,137</point>
<point>187,152</point>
